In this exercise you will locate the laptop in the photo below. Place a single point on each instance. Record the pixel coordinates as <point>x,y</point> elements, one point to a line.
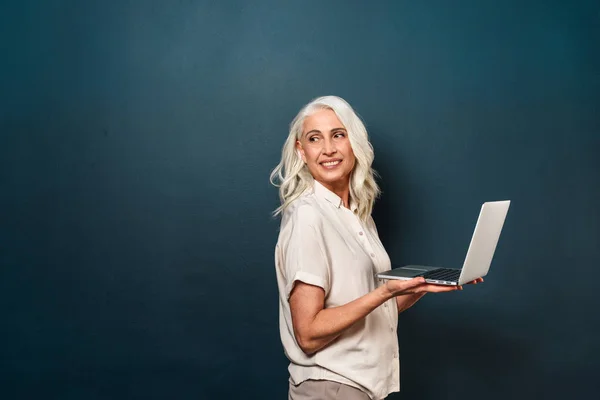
<point>479,256</point>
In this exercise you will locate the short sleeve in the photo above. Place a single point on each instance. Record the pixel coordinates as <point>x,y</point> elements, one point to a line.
<point>305,255</point>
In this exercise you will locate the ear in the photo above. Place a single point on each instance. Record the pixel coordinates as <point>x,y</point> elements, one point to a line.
<point>300,151</point>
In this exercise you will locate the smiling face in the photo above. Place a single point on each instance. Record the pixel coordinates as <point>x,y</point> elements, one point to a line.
<point>325,148</point>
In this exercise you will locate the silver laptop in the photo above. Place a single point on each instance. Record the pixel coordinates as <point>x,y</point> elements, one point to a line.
<point>479,256</point>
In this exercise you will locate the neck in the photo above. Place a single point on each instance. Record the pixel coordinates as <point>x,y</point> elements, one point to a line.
<point>342,190</point>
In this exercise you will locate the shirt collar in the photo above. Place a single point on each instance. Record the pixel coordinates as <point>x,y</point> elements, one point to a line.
<point>324,193</point>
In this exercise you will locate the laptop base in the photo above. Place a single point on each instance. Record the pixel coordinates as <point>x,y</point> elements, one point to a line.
<point>436,275</point>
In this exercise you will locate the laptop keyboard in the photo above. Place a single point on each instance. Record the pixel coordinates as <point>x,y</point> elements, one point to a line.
<point>442,274</point>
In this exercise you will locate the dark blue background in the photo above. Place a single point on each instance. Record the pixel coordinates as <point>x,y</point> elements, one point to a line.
<point>136,243</point>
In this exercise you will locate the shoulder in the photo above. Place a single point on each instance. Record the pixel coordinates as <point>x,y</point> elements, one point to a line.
<point>302,220</point>
<point>304,210</point>
<point>307,212</point>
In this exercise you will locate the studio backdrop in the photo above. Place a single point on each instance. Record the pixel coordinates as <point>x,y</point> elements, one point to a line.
<point>136,142</point>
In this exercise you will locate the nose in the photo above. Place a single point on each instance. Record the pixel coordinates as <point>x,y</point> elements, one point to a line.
<point>328,147</point>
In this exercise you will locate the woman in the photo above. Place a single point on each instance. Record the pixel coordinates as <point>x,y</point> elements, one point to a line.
<point>337,320</point>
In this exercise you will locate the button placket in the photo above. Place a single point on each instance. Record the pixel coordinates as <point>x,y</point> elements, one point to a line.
<point>366,243</point>
<point>362,238</point>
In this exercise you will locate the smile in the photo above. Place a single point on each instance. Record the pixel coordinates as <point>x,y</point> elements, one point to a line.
<point>330,164</point>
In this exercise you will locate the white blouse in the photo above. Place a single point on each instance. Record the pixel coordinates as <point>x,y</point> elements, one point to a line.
<point>322,243</point>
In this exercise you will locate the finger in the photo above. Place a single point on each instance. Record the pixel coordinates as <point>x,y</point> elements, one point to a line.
<point>475,281</point>
<point>399,286</point>
<point>438,288</point>
<point>414,282</point>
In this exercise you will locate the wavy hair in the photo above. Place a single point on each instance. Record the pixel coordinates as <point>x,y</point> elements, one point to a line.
<point>293,178</point>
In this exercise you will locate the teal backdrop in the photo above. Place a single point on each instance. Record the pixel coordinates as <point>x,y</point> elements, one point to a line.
<point>137,137</point>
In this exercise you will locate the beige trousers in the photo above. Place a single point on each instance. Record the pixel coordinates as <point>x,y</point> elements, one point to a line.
<point>325,390</point>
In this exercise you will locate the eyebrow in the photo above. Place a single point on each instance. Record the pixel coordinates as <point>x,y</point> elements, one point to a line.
<point>333,130</point>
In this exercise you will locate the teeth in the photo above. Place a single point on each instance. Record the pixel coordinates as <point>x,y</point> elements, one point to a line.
<point>331,163</point>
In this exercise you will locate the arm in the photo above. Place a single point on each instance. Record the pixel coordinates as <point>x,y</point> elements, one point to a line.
<point>315,326</point>
<point>407,301</point>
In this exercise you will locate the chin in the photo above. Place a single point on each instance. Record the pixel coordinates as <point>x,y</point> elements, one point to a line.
<point>336,181</point>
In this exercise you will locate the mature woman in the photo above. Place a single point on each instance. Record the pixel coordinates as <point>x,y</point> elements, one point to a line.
<point>337,320</point>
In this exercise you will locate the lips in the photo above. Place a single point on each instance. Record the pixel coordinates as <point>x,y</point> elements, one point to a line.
<point>331,163</point>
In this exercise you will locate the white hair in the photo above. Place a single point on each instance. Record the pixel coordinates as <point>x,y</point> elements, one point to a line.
<point>292,177</point>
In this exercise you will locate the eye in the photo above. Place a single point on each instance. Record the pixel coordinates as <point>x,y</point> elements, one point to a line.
<point>339,135</point>
<point>313,138</point>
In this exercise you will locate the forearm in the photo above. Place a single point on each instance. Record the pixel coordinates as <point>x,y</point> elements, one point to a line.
<point>329,323</point>
<point>316,326</point>
<point>406,301</point>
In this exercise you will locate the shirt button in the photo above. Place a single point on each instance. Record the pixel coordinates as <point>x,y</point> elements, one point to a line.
<point>391,329</point>
<point>373,255</point>
<point>385,305</point>
<point>360,233</point>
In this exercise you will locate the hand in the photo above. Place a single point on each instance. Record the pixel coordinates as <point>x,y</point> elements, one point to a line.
<point>475,281</point>
<point>418,285</point>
